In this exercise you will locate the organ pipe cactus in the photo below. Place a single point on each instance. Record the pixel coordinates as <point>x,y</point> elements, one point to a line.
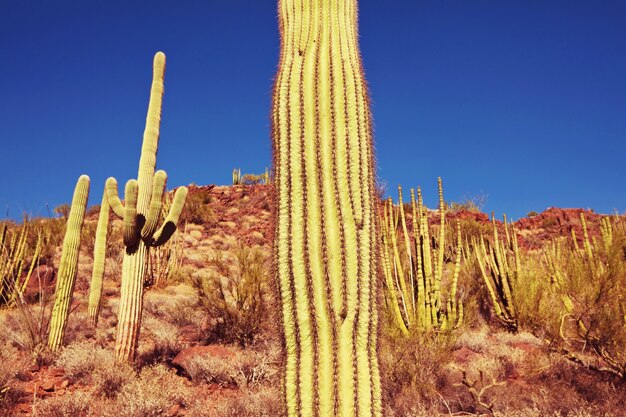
<point>325,248</point>
<point>140,213</point>
<point>14,251</point>
<point>66,277</point>
<point>498,276</point>
<point>413,273</point>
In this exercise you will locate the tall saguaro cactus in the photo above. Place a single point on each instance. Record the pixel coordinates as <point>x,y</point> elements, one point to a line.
<point>325,239</point>
<point>140,213</point>
<point>99,253</point>
<point>68,265</point>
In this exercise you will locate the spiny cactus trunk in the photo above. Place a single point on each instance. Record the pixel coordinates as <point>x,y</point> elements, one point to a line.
<point>99,255</point>
<point>68,265</point>
<point>131,302</point>
<point>325,238</point>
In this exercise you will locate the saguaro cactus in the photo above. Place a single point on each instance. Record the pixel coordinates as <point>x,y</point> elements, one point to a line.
<point>325,238</point>
<point>141,213</point>
<point>66,277</point>
<point>99,253</point>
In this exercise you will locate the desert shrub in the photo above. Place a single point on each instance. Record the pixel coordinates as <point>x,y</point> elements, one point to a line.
<point>25,326</point>
<point>473,204</point>
<point>263,403</point>
<point>235,298</point>
<point>152,393</point>
<point>87,363</point>
<point>197,208</point>
<point>81,359</point>
<point>160,342</point>
<point>12,366</point>
<point>75,404</point>
<point>412,370</point>
<point>243,368</point>
<point>62,210</point>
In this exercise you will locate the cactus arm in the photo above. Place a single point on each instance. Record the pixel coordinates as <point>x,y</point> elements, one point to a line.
<point>38,248</point>
<point>131,235</point>
<point>400,278</point>
<point>113,198</point>
<point>441,243</point>
<point>66,277</point>
<point>453,302</point>
<point>158,186</point>
<point>389,281</point>
<point>150,144</point>
<point>99,257</point>
<point>170,223</point>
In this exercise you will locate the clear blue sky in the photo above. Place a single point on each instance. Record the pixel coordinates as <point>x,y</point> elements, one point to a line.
<point>523,101</point>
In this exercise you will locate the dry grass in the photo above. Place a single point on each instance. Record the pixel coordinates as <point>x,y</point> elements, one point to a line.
<point>262,403</point>
<point>243,369</point>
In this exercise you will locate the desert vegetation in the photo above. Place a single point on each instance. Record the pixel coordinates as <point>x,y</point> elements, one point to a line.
<point>303,292</point>
<point>210,335</point>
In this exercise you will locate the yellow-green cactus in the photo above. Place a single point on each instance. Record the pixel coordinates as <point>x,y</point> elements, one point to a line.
<point>66,276</point>
<point>99,254</point>
<point>140,212</point>
<point>14,252</point>
<point>236,176</point>
<point>498,276</point>
<point>325,246</point>
<point>416,304</point>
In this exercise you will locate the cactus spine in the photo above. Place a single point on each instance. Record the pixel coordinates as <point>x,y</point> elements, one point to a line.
<point>67,267</point>
<point>140,212</point>
<point>325,246</point>
<point>99,254</point>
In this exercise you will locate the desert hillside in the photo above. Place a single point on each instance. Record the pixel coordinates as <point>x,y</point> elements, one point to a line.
<point>526,318</point>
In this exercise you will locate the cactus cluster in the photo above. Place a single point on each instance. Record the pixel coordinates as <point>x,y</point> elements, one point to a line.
<point>414,271</point>
<point>66,277</point>
<point>499,273</point>
<point>14,256</point>
<point>325,249</point>
<point>236,176</point>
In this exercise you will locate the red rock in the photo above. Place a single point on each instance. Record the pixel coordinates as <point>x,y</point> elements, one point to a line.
<point>48,385</point>
<point>24,408</point>
<point>42,281</point>
<point>61,385</point>
<point>173,410</point>
<point>56,372</point>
